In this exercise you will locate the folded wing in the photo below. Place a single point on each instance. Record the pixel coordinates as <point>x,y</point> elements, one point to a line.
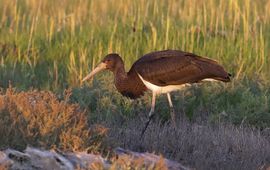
<point>172,67</point>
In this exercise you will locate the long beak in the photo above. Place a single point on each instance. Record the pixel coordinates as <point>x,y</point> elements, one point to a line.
<point>100,67</point>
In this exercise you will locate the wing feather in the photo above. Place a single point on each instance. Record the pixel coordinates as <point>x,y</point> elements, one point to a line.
<point>173,67</point>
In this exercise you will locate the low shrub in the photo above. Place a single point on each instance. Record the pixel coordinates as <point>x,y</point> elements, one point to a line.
<point>40,119</point>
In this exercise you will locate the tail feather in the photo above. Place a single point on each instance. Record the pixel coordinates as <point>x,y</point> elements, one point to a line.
<point>213,68</point>
<point>224,78</point>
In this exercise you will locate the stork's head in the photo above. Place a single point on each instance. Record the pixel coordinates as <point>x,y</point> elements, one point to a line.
<point>110,62</point>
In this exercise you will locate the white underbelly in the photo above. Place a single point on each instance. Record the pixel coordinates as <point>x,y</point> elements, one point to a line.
<point>162,89</point>
<point>167,89</point>
<point>209,79</point>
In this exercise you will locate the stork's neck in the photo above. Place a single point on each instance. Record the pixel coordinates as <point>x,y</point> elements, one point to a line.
<point>120,73</point>
<point>122,81</point>
<point>128,84</point>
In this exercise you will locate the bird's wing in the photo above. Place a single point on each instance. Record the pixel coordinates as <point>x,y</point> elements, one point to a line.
<point>176,67</point>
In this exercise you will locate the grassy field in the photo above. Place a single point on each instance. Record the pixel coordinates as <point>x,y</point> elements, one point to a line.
<point>52,44</point>
<point>66,38</point>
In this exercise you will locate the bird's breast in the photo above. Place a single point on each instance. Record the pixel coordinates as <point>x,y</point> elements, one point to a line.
<point>130,86</point>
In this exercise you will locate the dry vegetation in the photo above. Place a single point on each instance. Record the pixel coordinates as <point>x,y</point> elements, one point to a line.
<point>39,118</point>
<point>203,146</point>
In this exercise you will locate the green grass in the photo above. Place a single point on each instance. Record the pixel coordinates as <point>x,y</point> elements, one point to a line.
<point>52,45</point>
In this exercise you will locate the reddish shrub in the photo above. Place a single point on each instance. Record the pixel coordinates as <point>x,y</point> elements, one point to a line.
<point>40,119</point>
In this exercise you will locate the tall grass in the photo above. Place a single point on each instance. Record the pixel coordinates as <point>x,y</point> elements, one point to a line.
<point>58,42</point>
<point>54,44</point>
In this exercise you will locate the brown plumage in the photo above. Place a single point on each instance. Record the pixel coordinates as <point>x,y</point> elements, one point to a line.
<point>173,67</point>
<point>161,72</point>
<point>170,67</point>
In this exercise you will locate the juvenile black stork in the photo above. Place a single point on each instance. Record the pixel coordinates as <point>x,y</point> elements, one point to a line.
<point>161,72</point>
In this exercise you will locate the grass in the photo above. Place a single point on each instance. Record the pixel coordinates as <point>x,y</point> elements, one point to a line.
<point>66,38</point>
<point>197,145</point>
<point>51,45</point>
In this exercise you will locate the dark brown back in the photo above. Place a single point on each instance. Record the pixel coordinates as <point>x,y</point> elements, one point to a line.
<point>173,67</point>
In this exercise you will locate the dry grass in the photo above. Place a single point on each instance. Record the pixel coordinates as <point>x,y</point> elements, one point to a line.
<point>199,146</point>
<point>127,162</point>
<point>40,119</point>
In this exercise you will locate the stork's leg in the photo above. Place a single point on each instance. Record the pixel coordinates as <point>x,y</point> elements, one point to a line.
<point>171,109</point>
<point>151,113</point>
